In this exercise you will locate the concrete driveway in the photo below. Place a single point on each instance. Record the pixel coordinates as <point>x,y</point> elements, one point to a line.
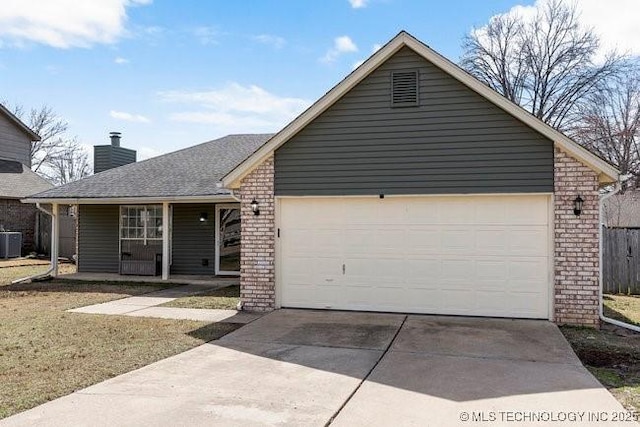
<point>314,368</point>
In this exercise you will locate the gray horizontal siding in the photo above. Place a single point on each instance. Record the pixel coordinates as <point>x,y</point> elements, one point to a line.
<point>122,156</point>
<point>98,239</point>
<point>101,158</point>
<point>14,143</point>
<point>107,157</point>
<point>455,141</point>
<point>193,240</point>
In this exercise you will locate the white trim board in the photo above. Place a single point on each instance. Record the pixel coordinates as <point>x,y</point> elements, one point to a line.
<point>217,270</point>
<point>606,172</point>
<point>135,200</point>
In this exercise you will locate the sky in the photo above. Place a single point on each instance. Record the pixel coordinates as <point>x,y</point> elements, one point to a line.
<point>170,74</point>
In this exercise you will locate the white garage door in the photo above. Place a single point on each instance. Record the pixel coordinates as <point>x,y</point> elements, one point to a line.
<point>480,255</point>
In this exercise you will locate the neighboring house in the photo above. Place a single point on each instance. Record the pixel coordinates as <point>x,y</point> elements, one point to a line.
<point>408,187</point>
<point>16,178</point>
<point>622,210</point>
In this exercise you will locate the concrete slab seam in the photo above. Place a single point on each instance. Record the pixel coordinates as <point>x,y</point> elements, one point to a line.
<point>383,353</point>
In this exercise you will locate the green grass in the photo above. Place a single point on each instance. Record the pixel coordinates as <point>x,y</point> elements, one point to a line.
<point>612,358</point>
<point>46,352</point>
<point>623,307</point>
<point>224,298</point>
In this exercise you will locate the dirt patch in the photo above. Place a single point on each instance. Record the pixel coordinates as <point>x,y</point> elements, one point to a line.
<point>613,356</point>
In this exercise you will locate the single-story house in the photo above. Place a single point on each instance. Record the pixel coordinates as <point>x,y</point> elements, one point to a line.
<point>17,180</point>
<point>408,187</point>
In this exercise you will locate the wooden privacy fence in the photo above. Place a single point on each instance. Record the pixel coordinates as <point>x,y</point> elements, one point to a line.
<point>620,260</point>
<point>67,242</point>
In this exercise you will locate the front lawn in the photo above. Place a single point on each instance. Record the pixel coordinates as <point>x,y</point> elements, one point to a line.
<point>223,298</point>
<point>9,273</point>
<point>46,352</point>
<point>623,307</point>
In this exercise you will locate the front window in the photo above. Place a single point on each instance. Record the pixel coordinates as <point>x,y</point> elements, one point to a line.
<point>141,223</point>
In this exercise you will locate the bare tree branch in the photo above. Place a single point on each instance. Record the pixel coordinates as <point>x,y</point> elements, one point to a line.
<point>70,163</point>
<point>545,64</point>
<point>56,157</point>
<point>51,128</point>
<point>609,124</point>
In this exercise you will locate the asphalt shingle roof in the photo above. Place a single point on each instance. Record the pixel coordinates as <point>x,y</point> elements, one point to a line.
<point>18,181</point>
<point>192,171</point>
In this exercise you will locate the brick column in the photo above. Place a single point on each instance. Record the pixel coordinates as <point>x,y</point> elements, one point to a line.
<point>576,243</point>
<point>257,261</point>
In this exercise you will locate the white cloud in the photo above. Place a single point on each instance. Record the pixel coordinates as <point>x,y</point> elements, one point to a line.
<point>341,45</point>
<point>64,23</point>
<point>148,152</point>
<point>206,35</point>
<point>128,117</point>
<point>358,4</point>
<point>120,60</point>
<point>271,40</point>
<point>615,21</point>
<point>236,108</point>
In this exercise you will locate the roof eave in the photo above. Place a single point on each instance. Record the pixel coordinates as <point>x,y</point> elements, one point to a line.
<point>26,129</point>
<point>129,200</point>
<point>606,172</point>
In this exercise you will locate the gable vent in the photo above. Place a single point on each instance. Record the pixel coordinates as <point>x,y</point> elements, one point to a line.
<point>404,88</point>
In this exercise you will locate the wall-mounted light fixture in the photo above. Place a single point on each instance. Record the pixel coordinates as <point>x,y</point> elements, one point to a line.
<point>254,207</point>
<point>204,217</point>
<point>577,205</point>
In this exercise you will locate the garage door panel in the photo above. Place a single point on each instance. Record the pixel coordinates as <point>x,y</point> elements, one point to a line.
<point>529,241</point>
<point>457,272</point>
<point>491,241</point>
<point>465,255</point>
<point>492,271</point>
<point>455,241</point>
<point>419,272</point>
<point>489,211</point>
<point>421,212</point>
<point>528,211</point>
<point>455,210</point>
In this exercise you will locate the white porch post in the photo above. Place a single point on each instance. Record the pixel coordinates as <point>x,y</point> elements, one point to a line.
<point>165,240</point>
<point>55,239</point>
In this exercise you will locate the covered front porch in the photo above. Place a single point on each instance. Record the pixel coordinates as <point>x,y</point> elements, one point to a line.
<point>177,241</point>
<point>178,279</point>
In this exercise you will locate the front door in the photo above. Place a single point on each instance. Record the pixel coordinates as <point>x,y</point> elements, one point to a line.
<point>228,239</point>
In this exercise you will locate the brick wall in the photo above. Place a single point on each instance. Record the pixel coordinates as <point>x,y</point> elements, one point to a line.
<point>257,265</point>
<point>576,243</point>
<point>16,216</point>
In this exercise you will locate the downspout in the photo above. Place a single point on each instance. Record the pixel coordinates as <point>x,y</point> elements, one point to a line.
<point>51,266</point>
<point>604,318</point>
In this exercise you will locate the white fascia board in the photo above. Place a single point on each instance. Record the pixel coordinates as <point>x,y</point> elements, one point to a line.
<point>134,200</point>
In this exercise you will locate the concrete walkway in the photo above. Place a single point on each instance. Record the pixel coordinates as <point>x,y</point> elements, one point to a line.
<point>146,306</point>
<point>318,368</point>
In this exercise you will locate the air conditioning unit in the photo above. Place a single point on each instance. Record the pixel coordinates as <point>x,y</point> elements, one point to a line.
<point>10,244</point>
